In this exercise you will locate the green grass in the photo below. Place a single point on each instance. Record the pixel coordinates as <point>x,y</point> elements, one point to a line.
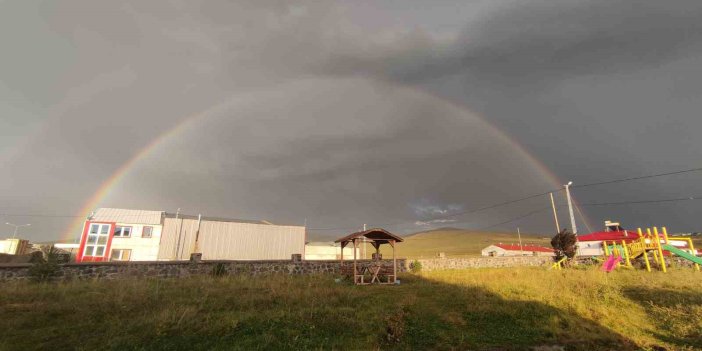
<point>462,309</point>
<point>458,243</point>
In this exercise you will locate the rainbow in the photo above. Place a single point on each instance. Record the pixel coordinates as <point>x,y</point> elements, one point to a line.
<point>75,228</point>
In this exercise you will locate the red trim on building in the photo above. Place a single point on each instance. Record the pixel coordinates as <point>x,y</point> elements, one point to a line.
<point>84,238</point>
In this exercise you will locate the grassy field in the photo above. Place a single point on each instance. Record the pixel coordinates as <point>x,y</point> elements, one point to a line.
<point>458,243</point>
<point>466,309</point>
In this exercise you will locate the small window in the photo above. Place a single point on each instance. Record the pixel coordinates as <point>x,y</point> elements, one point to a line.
<point>120,255</point>
<point>123,232</point>
<point>147,232</point>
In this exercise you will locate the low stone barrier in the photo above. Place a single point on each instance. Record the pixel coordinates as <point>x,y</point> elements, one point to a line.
<point>483,262</point>
<point>166,269</point>
<point>169,269</point>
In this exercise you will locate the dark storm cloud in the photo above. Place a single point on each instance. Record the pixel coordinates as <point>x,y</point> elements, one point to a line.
<point>539,41</point>
<point>329,121</point>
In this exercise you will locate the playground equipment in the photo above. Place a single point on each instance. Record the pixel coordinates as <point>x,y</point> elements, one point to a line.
<point>611,263</point>
<point>559,265</point>
<point>654,242</point>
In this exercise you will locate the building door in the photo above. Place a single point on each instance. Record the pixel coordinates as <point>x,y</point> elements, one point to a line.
<point>95,243</point>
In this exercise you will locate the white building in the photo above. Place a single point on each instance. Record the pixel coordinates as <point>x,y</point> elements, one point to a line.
<point>14,246</point>
<point>328,251</point>
<point>516,250</point>
<point>138,235</point>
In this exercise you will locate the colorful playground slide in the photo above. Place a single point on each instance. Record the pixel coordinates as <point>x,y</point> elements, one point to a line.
<point>611,263</point>
<point>684,254</point>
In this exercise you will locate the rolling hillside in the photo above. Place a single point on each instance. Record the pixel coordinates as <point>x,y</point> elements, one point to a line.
<point>457,242</point>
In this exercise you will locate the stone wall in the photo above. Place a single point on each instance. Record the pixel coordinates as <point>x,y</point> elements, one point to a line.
<point>483,262</point>
<point>163,269</point>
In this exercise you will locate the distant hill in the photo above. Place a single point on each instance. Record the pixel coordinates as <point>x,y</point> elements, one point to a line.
<point>457,242</point>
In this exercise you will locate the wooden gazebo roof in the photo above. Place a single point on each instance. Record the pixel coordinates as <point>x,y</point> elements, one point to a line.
<point>377,235</point>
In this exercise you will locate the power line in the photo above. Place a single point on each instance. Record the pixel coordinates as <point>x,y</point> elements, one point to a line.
<point>516,218</point>
<point>455,214</point>
<point>639,177</point>
<point>643,201</point>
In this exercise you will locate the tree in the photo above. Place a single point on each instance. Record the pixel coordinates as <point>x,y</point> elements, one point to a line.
<point>565,244</point>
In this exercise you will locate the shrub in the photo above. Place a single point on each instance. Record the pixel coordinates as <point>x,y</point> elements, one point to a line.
<point>565,244</point>
<point>45,265</point>
<point>415,266</point>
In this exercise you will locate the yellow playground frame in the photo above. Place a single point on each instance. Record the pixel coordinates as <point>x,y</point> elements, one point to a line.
<point>650,243</point>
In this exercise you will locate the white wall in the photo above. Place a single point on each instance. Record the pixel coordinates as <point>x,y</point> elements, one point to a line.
<point>329,252</point>
<point>143,249</point>
<point>590,248</point>
<point>502,252</point>
<point>11,246</point>
<point>492,248</point>
<point>230,240</point>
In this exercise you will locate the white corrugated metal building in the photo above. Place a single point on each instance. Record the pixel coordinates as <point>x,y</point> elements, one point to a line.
<point>138,235</point>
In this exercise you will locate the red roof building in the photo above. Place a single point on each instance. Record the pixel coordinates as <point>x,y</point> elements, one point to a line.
<point>516,250</point>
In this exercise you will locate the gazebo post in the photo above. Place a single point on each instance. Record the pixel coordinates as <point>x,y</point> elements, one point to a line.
<point>343,244</point>
<point>394,262</point>
<point>354,262</point>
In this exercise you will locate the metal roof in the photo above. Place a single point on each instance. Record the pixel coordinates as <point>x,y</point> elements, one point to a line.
<point>120,215</point>
<point>216,219</point>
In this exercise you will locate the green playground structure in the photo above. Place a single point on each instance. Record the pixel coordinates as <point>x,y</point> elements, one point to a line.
<point>684,254</point>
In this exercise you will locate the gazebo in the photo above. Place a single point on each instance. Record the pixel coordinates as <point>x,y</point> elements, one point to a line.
<point>375,269</point>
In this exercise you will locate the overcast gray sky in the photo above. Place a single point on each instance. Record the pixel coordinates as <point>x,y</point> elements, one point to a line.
<point>388,113</point>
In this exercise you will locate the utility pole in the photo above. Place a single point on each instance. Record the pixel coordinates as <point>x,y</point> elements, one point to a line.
<point>14,235</point>
<point>570,208</point>
<point>555,215</point>
<point>521,248</point>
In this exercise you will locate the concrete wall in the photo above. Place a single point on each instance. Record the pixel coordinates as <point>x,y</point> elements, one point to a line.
<point>160,269</point>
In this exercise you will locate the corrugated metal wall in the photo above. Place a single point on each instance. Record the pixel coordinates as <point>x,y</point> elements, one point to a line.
<point>230,240</point>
